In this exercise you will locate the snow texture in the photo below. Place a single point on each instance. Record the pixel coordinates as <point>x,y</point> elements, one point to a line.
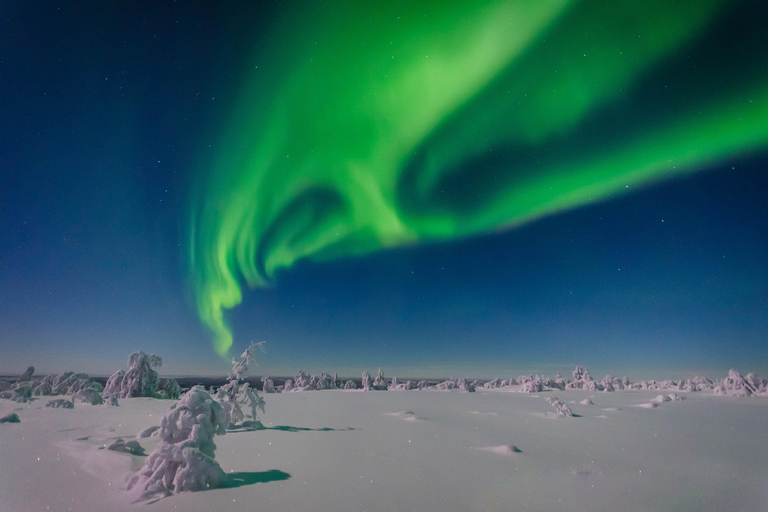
<point>183,459</point>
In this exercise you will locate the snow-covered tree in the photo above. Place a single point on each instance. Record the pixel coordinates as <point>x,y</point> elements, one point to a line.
<point>380,383</point>
<point>235,394</point>
<point>141,379</point>
<point>267,386</point>
<point>183,460</point>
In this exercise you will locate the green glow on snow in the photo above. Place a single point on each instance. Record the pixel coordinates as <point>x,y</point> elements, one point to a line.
<point>372,125</point>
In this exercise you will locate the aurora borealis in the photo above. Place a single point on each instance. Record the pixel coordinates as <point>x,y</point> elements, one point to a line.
<point>478,189</point>
<point>381,125</point>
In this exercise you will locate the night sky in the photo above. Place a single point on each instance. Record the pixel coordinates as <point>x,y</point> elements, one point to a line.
<point>162,162</point>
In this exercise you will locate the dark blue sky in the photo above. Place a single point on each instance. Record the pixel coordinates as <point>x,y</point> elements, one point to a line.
<point>110,110</point>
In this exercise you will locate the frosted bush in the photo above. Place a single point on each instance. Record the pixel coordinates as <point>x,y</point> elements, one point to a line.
<point>60,403</point>
<point>141,379</point>
<point>18,393</point>
<point>464,385</point>
<point>27,375</point>
<point>10,418</point>
<point>350,384</point>
<point>366,381</point>
<point>583,380</point>
<point>560,408</point>
<point>168,388</point>
<point>183,459</point>
<point>267,385</point>
<point>530,383</point>
<point>395,385</point>
<point>737,385</point>
<point>380,383</point>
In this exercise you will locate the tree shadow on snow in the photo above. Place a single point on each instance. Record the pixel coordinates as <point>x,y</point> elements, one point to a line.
<point>253,477</point>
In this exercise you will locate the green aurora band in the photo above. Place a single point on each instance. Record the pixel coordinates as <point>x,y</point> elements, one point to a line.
<point>369,125</point>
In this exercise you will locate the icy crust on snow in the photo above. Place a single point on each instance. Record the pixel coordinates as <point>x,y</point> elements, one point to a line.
<point>141,379</point>
<point>183,459</point>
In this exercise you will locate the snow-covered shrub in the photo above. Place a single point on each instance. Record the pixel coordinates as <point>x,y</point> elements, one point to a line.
<point>465,385</point>
<point>561,408</point>
<point>10,418</point>
<point>530,383</point>
<point>112,400</point>
<point>132,447</point>
<point>556,383</point>
<point>235,394</point>
<point>141,379</point>
<point>267,385</point>
<point>113,385</point>
<point>492,384</point>
<point>737,385</point>
<point>366,381</point>
<point>350,384</point>
<point>401,386</point>
<point>288,385</point>
<point>583,380</point>
<point>183,459</point>
<point>18,393</point>
<point>168,388</point>
<point>60,402</point>
<point>380,383</point>
<point>27,375</point>
<point>422,384</point>
<point>325,381</point>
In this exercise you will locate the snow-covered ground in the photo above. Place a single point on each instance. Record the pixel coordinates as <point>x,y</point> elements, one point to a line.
<point>340,450</point>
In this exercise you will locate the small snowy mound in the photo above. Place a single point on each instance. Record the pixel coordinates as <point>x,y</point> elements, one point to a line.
<point>405,415</point>
<point>62,403</point>
<point>587,401</point>
<point>10,418</point>
<point>132,447</point>
<point>149,431</point>
<point>183,460</point>
<point>505,449</point>
<point>660,399</point>
<point>649,405</point>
